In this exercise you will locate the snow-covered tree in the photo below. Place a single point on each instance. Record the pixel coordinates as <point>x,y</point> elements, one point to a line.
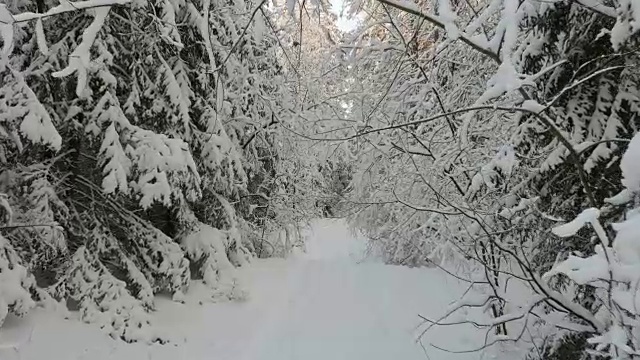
<point>136,136</point>
<point>481,125</point>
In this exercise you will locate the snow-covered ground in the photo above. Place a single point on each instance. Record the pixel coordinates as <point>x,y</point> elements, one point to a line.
<point>324,304</point>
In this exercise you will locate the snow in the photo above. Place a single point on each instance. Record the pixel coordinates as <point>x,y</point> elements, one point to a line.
<point>626,243</point>
<point>67,6</point>
<point>511,17</point>
<point>477,22</point>
<point>597,5</point>
<point>583,270</point>
<point>588,216</point>
<point>204,31</point>
<point>291,7</point>
<point>505,80</point>
<point>116,164</point>
<point>448,16</point>
<point>37,125</point>
<point>259,29</point>
<point>627,23</point>
<point>80,57</point>
<point>504,160</point>
<point>169,27</point>
<point>14,282</point>
<point>612,270</point>
<point>178,99</point>
<point>6,30</point>
<point>207,244</point>
<point>323,304</point>
<point>533,106</point>
<point>629,165</point>
<point>620,198</point>
<point>104,299</point>
<point>41,39</point>
<point>509,213</point>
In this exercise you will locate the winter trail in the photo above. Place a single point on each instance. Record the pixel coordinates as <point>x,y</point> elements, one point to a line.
<point>323,304</point>
<point>337,308</point>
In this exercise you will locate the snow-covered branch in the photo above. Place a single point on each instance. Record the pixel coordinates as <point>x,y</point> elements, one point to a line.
<point>64,7</point>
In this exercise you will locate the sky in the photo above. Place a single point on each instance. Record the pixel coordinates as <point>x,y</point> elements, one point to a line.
<point>344,23</point>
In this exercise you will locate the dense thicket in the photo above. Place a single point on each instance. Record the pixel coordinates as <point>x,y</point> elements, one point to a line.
<point>141,148</point>
<point>479,126</point>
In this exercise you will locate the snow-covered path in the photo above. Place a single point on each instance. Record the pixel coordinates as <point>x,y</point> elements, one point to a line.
<point>335,308</point>
<point>321,305</point>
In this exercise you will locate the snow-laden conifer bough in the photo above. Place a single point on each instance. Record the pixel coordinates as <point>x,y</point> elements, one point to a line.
<point>133,162</point>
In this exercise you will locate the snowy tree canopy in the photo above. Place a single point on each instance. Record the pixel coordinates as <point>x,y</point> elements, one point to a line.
<point>142,150</point>
<point>150,144</point>
<point>475,127</point>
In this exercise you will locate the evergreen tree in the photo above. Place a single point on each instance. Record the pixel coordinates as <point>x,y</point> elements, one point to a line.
<point>131,134</point>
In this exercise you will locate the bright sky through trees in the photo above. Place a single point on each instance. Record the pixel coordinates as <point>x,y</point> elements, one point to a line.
<point>345,22</point>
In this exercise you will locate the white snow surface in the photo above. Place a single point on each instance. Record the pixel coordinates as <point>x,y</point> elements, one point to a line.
<point>325,303</point>
<point>629,165</point>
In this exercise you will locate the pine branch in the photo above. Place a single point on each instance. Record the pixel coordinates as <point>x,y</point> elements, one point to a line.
<point>19,226</point>
<point>65,7</point>
<point>244,31</point>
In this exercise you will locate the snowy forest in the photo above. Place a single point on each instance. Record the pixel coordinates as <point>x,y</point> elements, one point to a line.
<point>150,150</point>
